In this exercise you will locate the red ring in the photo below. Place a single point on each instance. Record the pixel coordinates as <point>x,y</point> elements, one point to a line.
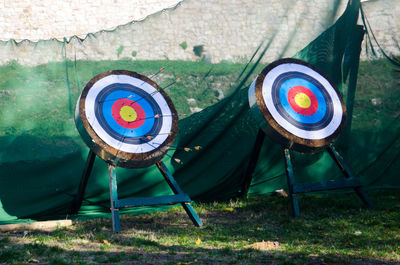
<point>303,111</point>
<point>116,108</point>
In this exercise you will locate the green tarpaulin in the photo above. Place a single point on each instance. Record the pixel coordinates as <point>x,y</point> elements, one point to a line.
<point>42,155</point>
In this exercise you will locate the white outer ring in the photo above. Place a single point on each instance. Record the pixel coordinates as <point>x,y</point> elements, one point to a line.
<point>126,147</point>
<point>267,97</point>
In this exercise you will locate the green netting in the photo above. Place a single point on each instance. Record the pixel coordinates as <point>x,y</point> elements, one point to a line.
<point>42,156</point>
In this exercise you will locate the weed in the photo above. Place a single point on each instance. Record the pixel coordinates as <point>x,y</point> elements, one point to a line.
<point>183,45</point>
<point>9,255</point>
<point>133,257</point>
<point>59,261</point>
<point>4,241</point>
<point>198,50</point>
<point>116,258</point>
<point>37,249</point>
<point>105,247</point>
<point>119,50</point>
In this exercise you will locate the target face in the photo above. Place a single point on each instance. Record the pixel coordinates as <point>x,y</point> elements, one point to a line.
<point>126,118</point>
<point>299,103</point>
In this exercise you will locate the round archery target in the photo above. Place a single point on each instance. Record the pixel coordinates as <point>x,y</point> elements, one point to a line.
<point>299,102</point>
<point>129,117</point>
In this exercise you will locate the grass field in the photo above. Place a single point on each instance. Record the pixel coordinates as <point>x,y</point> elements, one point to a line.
<point>376,101</point>
<point>332,229</point>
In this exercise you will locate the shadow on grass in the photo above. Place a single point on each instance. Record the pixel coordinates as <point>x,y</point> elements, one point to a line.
<point>332,229</point>
<point>140,253</point>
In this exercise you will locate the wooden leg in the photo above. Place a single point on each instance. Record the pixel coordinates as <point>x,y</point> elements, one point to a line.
<point>192,214</point>
<point>113,198</point>
<point>77,203</point>
<point>252,162</point>
<point>290,181</point>
<point>177,190</point>
<point>347,173</point>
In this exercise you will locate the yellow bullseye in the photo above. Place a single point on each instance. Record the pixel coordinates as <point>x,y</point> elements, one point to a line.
<point>302,100</point>
<point>128,113</point>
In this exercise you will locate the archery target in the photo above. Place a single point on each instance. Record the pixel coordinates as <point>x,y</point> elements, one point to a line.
<point>299,103</point>
<point>129,120</point>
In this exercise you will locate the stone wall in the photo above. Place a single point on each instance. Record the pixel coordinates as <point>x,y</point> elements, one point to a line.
<point>212,30</point>
<point>384,19</point>
<point>46,19</point>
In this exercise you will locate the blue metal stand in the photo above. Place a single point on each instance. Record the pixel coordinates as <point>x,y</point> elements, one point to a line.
<point>348,182</point>
<point>178,197</point>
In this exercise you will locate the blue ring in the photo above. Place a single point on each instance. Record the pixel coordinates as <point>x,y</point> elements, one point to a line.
<point>283,96</point>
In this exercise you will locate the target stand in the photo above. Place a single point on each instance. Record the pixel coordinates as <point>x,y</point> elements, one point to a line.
<point>298,106</point>
<point>127,120</point>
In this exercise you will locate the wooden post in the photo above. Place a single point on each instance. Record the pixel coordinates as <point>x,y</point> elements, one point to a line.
<point>177,190</point>
<point>290,182</point>
<point>349,181</point>
<point>178,197</point>
<point>113,198</point>
<point>77,202</point>
<point>347,173</point>
<point>252,162</point>
<point>115,203</point>
<point>355,50</point>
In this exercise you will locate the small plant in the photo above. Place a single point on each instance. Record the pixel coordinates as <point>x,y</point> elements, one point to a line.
<point>198,50</point>
<point>116,258</point>
<point>133,256</point>
<point>105,247</point>
<point>133,53</point>
<point>58,261</point>
<point>8,256</point>
<point>119,50</point>
<point>183,45</point>
<point>4,241</point>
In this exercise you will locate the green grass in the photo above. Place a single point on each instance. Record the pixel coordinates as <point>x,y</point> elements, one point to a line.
<point>38,101</point>
<point>376,102</point>
<point>332,229</point>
